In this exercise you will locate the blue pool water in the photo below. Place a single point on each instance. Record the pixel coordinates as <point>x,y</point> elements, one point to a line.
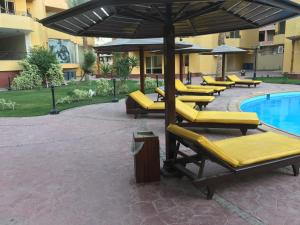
<point>281,111</point>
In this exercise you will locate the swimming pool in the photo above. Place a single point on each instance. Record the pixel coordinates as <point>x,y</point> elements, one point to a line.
<point>281,111</point>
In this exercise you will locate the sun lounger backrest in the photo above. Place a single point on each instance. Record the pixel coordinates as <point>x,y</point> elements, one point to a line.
<point>233,78</point>
<point>159,91</point>
<point>201,141</point>
<point>208,79</point>
<point>186,111</point>
<point>141,99</point>
<point>179,85</point>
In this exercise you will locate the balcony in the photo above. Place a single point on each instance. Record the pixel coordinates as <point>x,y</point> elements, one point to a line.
<point>18,20</point>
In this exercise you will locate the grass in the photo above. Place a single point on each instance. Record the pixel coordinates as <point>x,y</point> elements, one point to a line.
<point>279,80</point>
<point>38,102</point>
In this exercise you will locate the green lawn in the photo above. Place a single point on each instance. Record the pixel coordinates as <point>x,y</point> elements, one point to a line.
<point>278,80</point>
<point>38,102</point>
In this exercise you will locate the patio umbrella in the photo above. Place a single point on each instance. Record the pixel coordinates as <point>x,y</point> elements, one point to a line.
<point>224,50</point>
<point>168,19</point>
<point>141,45</point>
<point>186,50</point>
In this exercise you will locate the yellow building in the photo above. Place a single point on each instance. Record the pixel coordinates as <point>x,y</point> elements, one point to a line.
<point>20,31</point>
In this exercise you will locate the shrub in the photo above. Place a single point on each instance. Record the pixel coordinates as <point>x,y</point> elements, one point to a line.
<point>55,75</point>
<point>124,65</point>
<point>150,83</point>
<point>106,69</point>
<point>43,58</point>
<point>64,100</point>
<point>78,95</point>
<point>104,87</point>
<point>123,88</point>
<point>29,78</point>
<point>7,104</point>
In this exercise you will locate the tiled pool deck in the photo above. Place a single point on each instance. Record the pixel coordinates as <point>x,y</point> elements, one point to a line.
<point>76,168</point>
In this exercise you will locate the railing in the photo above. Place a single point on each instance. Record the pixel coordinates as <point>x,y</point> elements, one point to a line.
<point>9,55</point>
<point>14,12</point>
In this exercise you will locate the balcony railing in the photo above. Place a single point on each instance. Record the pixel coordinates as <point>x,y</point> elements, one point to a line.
<point>11,55</point>
<point>16,13</point>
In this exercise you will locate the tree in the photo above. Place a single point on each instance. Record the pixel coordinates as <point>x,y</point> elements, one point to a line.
<point>124,65</point>
<point>89,59</point>
<point>221,41</point>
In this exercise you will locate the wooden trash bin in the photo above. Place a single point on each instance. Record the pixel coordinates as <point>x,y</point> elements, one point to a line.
<point>146,157</point>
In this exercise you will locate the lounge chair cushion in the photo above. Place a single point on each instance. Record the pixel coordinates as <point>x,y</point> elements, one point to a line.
<point>244,151</point>
<point>236,79</point>
<point>195,116</point>
<point>210,80</point>
<point>227,117</point>
<point>216,88</point>
<point>159,91</point>
<point>157,106</point>
<point>258,148</point>
<point>141,99</point>
<point>191,98</point>
<point>180,87</point>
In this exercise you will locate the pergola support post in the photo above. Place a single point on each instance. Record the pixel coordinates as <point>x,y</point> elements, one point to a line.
<point>293,57</point>
<point>98,64</point>
<point>169,78</point>
<point>142,69</point>
<point>181,66</point>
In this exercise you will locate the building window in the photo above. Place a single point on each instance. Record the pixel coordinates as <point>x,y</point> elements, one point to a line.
<point>7,6</point>
<point>281,27</point>
<point>261,36</point>
<point>270,35</point>
<point>154,64</point>
<point>233,34</point>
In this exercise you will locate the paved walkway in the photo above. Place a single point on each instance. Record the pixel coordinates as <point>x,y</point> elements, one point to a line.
<point>76,169</point>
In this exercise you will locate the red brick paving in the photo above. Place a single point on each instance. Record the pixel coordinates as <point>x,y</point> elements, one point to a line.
<point>77,169</point>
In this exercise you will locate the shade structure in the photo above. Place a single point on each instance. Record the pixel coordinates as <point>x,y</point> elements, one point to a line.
<point>224,50</point>
<point>140,45</point>
<point>168,19</point>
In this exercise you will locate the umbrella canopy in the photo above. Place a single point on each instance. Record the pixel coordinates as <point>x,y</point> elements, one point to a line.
<point>141,45</point>
<point>146,19</point>
<point>224,50</point>
<point>168,19</point>
<point>130,45</point>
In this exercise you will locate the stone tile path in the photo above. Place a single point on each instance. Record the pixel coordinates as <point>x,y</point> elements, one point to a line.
<point>76,168</point>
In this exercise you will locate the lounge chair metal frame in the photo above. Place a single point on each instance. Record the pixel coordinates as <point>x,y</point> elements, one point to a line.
<point>211,182</point>
<point>132,107</point>
<point>242,127</point>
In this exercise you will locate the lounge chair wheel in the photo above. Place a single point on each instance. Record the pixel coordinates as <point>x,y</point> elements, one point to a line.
<point>219,93</point>
<point>244,131</point>
<point>210,192</point>
<point>296,170</point>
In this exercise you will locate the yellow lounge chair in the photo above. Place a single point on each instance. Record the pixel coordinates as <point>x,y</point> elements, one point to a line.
<point>138,103</point>
<point>213,119</point>
<point>237,80</point>
<point>217,89</point>
<point>209,80</point>
<point>200,101</point>
<point>183,90</point>
<point>248,155</point>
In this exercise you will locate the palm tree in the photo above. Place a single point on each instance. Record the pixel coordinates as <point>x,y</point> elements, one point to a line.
<point>73,3</point>
<point>221,41</point>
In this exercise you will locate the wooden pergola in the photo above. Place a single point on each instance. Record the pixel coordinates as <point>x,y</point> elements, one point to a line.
<point>168,19</point>
<point>140,45</point>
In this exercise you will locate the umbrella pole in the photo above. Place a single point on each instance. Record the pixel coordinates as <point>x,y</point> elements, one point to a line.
<point>169,78</point>
<point>223,66</point>
<point>142,69</point>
